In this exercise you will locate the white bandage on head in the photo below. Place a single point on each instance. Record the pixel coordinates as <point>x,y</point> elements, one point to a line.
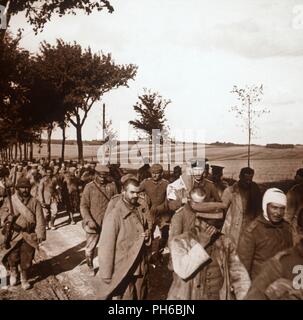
<point>273,195</point>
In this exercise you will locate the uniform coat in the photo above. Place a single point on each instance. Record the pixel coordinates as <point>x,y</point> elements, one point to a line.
<point>31,229</point>
<point>261,241</point>
<point>225,272</point>
<point>238,216</point>
<point>122,248</point>
<point>94,201</point>
<point>279,267</point>
<point>181,242</point>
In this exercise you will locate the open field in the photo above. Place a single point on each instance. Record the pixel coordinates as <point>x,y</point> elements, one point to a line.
<point>269,164</point>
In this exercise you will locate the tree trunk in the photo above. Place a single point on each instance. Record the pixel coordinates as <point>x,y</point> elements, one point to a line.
<point>24,151</point>
<point>249,133</point>
<point>16,151</point>
<point>63,143</point>
<point>49,141</point>
<point>20,151</point>
<point>31,151</point>
<point>80,143</point>
<point>8,17</point>
<point>10,154</point>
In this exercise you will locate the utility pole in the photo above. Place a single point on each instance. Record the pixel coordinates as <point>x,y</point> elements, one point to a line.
<point>103,123</point>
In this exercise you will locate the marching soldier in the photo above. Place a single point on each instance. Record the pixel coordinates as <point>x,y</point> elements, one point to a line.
<point>125,230</point>
<point>24,229</point>
<point>277,279</point>
<point>266,235</point>
<point>71,191</point>
<point>205,263</point>
<point>95,199</point>
<point>48,197</point>
<point>144,171</point>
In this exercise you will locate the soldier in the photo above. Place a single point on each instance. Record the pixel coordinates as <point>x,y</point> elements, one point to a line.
<point>192,176</point>
<point>205,263</point>
<point>217,179</point>
<point>71,191</point>
<point>281,277</point>
<point>24,230</point>
<point>144,171</point>
<point>266,235</point>
<point>3,185</point>
<point>177,172</point>
<point>155,188</point>
<point>295,201</point>
<point>125,230</point>
<point>94,201</point>
<point>243,201</point>
<point>48,197</point>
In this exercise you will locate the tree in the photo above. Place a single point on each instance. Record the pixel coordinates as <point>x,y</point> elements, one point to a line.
<point>150,111</point>
<point>38,12</point>
<point>14,66</point>
<point>249,110</point>
<point>82,78</point>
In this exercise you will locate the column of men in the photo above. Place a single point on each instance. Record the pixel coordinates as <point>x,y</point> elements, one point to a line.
<point>31,195</point>
<point>224,240</point>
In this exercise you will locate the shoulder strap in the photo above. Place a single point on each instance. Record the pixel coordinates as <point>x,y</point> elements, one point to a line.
<point>105,195</point>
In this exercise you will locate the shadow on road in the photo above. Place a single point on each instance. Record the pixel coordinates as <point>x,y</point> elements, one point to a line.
<point>65,261</point>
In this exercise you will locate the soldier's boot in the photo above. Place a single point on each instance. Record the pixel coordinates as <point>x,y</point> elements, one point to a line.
<point>25,285</point>
<point>14,275</point>
<point>48,224</point>
<point>71,217</point>
<point>89,262</point>
<point>52,223</point>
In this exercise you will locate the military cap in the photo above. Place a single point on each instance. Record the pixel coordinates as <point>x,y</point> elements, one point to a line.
<point>156,168</point>
<point>300,172</point>
<point>217,169</point>
<point>128,177</point>
<point>72,169</point>
<point>100,168</point>
<point>23,183</point>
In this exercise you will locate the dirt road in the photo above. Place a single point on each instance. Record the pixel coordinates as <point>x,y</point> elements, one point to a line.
<point>60,272</point>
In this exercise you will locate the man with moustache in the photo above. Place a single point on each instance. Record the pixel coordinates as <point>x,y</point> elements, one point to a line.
<point>243,201</point>
<point>123,247</point>
<point>266,235</point>
<point>23,231</point>
<point>281,276</point>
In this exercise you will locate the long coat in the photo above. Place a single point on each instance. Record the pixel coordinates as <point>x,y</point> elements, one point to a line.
<point>94,201</point>
<point>235,222</point>
<point>232,270</point>
<point>294,205</point>
<point>32,224</point>
<point>188,257</point>
<point>122,248</point>
<point>262,240</point>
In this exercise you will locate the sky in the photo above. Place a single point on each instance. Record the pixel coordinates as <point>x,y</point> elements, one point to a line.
<point>193,52</point>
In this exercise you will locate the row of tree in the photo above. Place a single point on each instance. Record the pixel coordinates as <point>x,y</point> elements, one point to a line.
<point>56,87</point>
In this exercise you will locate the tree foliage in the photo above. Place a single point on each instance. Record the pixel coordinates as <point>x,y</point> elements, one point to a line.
<point>39,12</point>
<point>82,78</point>
<point>249,109</point>
<point>150,111</point>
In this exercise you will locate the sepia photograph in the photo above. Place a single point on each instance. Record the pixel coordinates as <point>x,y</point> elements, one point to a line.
<point>151,150</point>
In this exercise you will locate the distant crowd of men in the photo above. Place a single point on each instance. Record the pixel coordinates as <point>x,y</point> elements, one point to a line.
<point>224,240</point>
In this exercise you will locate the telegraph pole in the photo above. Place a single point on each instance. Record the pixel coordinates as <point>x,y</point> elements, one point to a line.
<point>103,123</point>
